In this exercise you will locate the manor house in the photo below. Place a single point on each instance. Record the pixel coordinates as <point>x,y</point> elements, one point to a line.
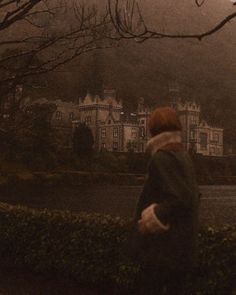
<point>115,130</point>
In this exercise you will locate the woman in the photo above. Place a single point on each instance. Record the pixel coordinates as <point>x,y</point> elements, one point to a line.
<point>167,211</point>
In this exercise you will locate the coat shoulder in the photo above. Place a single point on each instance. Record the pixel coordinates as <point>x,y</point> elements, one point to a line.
<point>162,158</point>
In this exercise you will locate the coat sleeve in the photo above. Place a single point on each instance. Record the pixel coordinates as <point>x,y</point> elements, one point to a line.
<point>175,189</point>
<point>149,192</point>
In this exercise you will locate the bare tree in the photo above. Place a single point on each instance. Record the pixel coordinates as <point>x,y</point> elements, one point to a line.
<point>38,36</point>
<point>45,43</point>
<point>127,18</point>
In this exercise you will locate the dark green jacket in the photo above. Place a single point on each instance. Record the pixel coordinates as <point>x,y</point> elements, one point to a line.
<point>171,183</point>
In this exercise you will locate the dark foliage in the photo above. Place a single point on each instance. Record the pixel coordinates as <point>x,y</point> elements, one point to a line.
<point>29,136</point>
<point>92,249</point>
<point>83,140</point>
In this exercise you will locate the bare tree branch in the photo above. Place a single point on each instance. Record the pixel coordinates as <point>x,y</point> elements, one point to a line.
<point>48,45</point>
<point>130,25</point>
<point>199,3</point>
<point>4,4</point>
<point>21,8</point>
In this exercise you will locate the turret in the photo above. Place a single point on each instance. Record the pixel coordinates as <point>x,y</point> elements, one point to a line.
<point>174,95</point>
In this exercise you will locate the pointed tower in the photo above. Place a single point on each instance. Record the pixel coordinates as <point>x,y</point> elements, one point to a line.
<point>174,95</point>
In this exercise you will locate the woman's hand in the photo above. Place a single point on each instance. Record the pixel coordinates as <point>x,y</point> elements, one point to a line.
<point>142,228</point>
<point>149,222</point>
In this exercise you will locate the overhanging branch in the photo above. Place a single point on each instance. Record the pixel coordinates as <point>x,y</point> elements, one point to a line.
<point>130,25</point>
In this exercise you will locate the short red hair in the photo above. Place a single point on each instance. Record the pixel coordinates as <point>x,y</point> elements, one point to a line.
<point>163,120</point>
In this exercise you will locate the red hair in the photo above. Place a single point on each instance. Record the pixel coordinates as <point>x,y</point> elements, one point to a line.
<point>163,120</point>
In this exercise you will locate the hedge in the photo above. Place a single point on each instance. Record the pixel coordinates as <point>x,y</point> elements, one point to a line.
<point>91,248</point>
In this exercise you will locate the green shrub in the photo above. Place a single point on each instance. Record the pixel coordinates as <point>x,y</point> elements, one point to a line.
<point>107,161</point>
<point>87,247</point>
<point>216,273</point>
<point>92,248</point>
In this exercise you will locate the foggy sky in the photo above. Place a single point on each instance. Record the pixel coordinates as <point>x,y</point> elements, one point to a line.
<point>208,66</point>
<point>204,70</point>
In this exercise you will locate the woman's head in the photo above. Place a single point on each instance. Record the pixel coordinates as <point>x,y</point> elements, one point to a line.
<point>163,119</point>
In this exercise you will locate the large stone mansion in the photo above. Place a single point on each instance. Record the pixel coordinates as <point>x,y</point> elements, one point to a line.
<point>116,131</point>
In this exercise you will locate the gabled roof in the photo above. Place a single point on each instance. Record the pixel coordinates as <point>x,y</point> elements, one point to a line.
<point>110,117</point>
<point>203,123</point>
<point>92,100</point>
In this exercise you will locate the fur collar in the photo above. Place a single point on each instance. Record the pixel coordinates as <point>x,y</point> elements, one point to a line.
<point>162,140</point>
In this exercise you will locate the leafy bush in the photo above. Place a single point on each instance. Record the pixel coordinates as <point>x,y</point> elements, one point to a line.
<point>92,248</point>
<point>83,140</point>
<point>87,247</point>
<point>28,130</point>
<point>216,273</point>
<point>107,161</point>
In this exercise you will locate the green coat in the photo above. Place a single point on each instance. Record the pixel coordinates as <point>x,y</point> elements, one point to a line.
<point>171,183</point>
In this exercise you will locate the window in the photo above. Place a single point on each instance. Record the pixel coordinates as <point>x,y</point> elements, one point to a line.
<point>88,119</point>
<point>58,115</point>
<point>103,132</point>
<point>115,146</point>
<point>216,137</point>
<point>192,134</point>
<point>103,145</point>
<point>141,147</point>
<point>142,121</point>
<point>193,119</point>
<point>218,151</point>
<point>142,132</point>
<point>212,151</point>
<point>133,133</point>
<point>203,140</point>
<point>71,116</point>
<point>115,132</point>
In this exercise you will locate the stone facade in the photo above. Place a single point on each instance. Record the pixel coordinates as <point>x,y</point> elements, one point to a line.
<point>198,136</point>
<point>114,130</point>
<point>99,114</point>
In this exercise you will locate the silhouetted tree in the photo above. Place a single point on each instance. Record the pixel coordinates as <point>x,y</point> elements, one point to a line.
<point>42,35</point>
<point>30,137</point>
